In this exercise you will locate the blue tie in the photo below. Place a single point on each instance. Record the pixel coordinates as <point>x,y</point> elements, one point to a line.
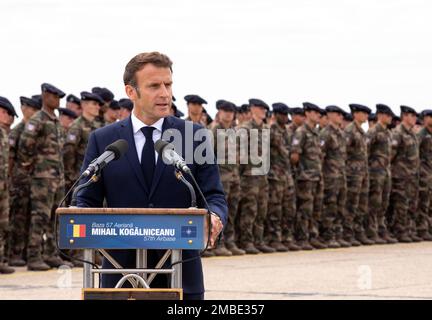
<point>148,155</point>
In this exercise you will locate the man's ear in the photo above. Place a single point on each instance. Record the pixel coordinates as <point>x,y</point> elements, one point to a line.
<point>131,92</point>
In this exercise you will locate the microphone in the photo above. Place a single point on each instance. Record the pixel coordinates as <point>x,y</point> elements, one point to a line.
<point>112,152</point>
<point>170,156</point>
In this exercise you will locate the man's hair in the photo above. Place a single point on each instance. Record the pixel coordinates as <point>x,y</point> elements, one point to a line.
<point>139,61</point>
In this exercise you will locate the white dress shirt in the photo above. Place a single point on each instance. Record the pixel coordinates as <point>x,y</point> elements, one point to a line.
<point>139,137</point>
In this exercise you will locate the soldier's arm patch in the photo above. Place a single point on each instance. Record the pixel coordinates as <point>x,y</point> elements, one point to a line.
<point>71,137</point>
<point>322,143</point>
<point>30,127</point>
<point>12,142</point>
<point>295,142</point>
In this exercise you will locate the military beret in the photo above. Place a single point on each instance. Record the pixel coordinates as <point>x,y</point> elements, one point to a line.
<point>359,108</point>
<point>307,106</point>
<point>419,121</point>
<point>280,107</point>
<point>382,108</point>
<point>225,105</point>
<point>406,109</point>
<point>104,93</point>
<point>348,116</point>
<point>243,108</point>
<point>73,99</point>
<point>38,98</point>
<point>126,103</point>
<point>88,96</point>
<point>396,118</point>
<point>173,98</point>
<point>269,113</point>
<point>296,111</point>
<point>193,98</point>
<point>372,117</point>
<point>258,103</point>
<point>323,112</point>
<point>335,109</point>
<point>67,112</point>
<point>427,113</point>
<point>114,105</point>
<point>7,105</point>
<point>177,112</point>
<point>30,102</point>
<point>46,87</point>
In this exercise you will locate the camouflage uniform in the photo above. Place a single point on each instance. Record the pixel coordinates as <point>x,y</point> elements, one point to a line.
<point>19,198</point>
<point>405,179</point>
<point>357,182</point>
<point>254,194</point>
<point>40,148</point>
<point>4,193</point>
<point>309,182</point>
<point>379,157</point>
<point>230,180</point>
<point>281,215</point>
<point>425,187</point>
<point>334,156</point>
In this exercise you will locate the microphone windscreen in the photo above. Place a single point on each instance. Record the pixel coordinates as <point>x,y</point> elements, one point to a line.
<point>160,145</point>
<point>119,148</point>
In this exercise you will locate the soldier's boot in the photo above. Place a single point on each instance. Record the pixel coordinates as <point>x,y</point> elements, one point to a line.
<point>317,244</point>
<point>236,251</point>
<point>249,248</point>
<point>416,238</point>
<point>5,269</point>
<point>292,246</point>
<point>333,244</point>
<point>377,239</point>
<point>425,235</point>
<point>278,246</point>
<point>361,237</point>
<point>404,238</point>
<point>265,248</point>
<point>222,251</point>
<point>343,243</point>
<point>56,261</point>
<point>37,265</point>
<point>304,245</point>
<point>16,261</point>
<point>208,253</point>
<point>387,237</point>
<point>354,242</point>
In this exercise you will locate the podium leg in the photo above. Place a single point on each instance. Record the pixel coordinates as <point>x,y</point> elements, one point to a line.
<point>88,278</point>
<point>141,261</point>
<point>176,278</point>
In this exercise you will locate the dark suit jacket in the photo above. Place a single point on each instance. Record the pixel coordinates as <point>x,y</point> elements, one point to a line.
<point>122,184</point>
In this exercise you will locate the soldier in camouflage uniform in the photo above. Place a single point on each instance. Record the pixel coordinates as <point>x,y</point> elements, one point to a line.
<point>107,96</point>
<point>405,178</point>
<point>379,155</point>
<point>20,190</point>
<point>332,141</point>
<point>195,108</point>
<point>74,103</point>
<point>228,169</point>
<point>6,110</point>
<point>243,114</point>
<point>66,118</point>
<point>306,155</point>
<point>40,149</point>
<point>425,185</point>
<point>281,217</point>
<point>298,118</point>
<point>357,177</point>
<point>254,184</point>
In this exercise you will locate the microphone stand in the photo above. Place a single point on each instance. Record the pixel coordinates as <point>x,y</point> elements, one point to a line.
<point>180,177</point>
<point>93,179</point>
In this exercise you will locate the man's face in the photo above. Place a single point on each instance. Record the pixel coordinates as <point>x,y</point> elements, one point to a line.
<point>124,113</point>
<point>27,111</point>
<point>66,121</point>
<point>281,119</point>
<point>323,121</point>
<point>74,107</point>
<point>298,119</point>
<point>112,115</point>
<point>385,118</point>
<point>50,100</point>
<point>427,121</point>
<point>313,116</point>
<point>90,108</point>
<point>409,119</point>
<point>195,109</point>
<point>361,116</point>
<point>258,112</point>
<point>152,98</point>
<point>226,116</point>
<point>335,118</point>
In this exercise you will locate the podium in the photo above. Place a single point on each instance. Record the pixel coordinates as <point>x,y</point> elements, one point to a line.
<point>99,229</point>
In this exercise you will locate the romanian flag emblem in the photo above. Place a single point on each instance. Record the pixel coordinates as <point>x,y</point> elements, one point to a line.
<point>76,230</point>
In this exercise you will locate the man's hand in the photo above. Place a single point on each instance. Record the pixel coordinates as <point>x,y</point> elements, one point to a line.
<point>217,227</point>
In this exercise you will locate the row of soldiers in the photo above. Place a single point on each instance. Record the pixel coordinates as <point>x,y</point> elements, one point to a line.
<point>330,184</point>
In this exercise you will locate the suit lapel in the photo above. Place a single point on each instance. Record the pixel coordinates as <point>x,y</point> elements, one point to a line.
<point>126,132</point>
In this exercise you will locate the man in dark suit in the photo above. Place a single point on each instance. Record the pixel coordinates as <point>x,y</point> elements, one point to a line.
<point>141,179</point>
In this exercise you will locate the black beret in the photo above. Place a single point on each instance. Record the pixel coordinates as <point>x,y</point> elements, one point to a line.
<point>348,116</point>
<point>104,93</point>
<point>46,87</point>
<point>335,109</point>
<point>359,108</point>
<point>88,96</point>
<point>225,105</point>
<point>243,108</point>
<point>396,118</point>
<point>382,108</point>
<point>372,117</point>
<point>6,104</point>
<point>38,98</point>
<point>323,112</point>
<point>307,106</point>
<point>114,105</point>
<point>67,112</point>
<point>258,103</point>
<point>280,107</point>
<point>173,98</point>
<point>177,112</point>
<point>406,109</point>
<point>193,98</point>
<point>427,113</point>
<point>126,103</point>
<point>30,102</point>
<point>296,111</point>
<point>73,99</point>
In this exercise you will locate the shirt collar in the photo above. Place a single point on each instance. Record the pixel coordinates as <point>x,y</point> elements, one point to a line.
<point>137,124</point>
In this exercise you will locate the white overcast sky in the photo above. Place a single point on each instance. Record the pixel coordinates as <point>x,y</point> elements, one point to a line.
<point>326,52</point>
